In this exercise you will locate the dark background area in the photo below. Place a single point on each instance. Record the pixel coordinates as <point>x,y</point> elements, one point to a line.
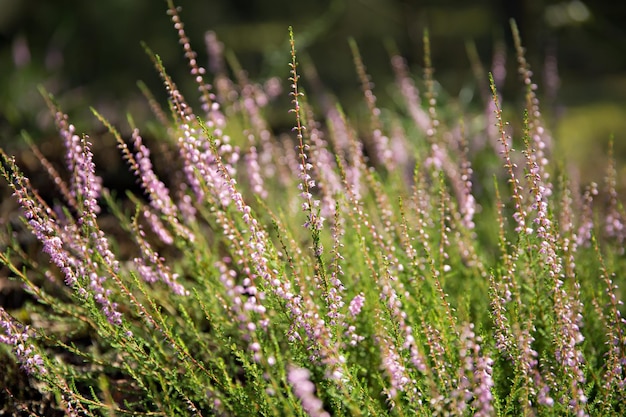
<point>88,53</point>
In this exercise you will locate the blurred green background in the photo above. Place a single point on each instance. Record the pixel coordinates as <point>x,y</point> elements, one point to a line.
<point>88,53</point>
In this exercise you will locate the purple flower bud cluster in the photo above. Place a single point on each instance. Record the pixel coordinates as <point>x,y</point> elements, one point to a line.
<point>84,182</point>
<point>355,307</point>
<point>70,410</point>
<point>615,219</point>
<point>396,371</point>
<point>159,194</point>
<point>17,336</point>
<point>393,303</point>
<point>539,136</point>
<point>310,205</point>
<point>158,227</point>
<point>199,162</point>
<point>382,151</point>
<point>302,309</point>
<point>476,380</point>
<point>304,390</point>
<point>253,170</point>
<point>615,325</point>
<point>586,222</point>
<point>567,308</point>
<point>410,93</point>
<point>246,305</point>
<point>324,167</point>
<point>152,267</point>
<point>520,213</point>
<point>209,106</point>
<point>80,250</point>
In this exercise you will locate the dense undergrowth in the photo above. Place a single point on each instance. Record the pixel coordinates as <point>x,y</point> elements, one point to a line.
<point>415,265</point>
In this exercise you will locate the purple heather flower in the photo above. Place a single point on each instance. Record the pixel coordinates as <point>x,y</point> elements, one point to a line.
<point>567,308</point>
<point>303,311</point>
<point>382,151</point>
<point>159,194</point>
<point>84,237</point>
<point>254,173</point>
<point>304,390</point>
<point>57,239</point>
<point>351,334</point>
<point>310,205</point>
<point>16,335</point>
<point>389,295</point>
<point>538,134</point>
<point>614,220</point>
<point>396,371</point>
<point>69,407</point>
<point>246,300</point>
<point>78,159</point>
<point>410,93</point>
<point>478,370</point>
<point>152,266</point>
<point>357,304</point>
<point>157,227</point>
<point>215,49</point>
<point>324,166</point>
<point>209,106</point>
<point>586,222</point>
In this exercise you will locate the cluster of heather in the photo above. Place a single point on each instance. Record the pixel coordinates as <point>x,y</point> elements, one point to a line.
<point>421,262</point>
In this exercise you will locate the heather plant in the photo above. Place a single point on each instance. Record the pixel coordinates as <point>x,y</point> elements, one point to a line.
<point>416,264</point>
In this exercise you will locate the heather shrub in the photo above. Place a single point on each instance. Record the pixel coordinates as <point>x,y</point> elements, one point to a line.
<point>417,264</point>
